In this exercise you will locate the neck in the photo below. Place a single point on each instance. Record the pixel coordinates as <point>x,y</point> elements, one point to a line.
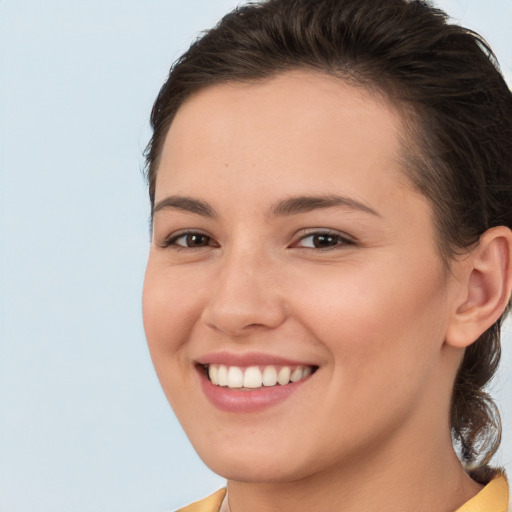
<point>431,479</point>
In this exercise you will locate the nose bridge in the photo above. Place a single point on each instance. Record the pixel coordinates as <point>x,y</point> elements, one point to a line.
<point>245,295</point>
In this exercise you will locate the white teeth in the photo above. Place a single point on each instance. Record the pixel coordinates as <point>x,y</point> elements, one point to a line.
<point>269,376</point>
<point>235,377</point>
<point>222,375</point>
<point>283,377</point>
<point>253,378</point>
<point>296,374</point>
<point>213,373</point>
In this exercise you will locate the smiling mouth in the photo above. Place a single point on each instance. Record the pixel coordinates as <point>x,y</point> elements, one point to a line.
<point>255,377</point>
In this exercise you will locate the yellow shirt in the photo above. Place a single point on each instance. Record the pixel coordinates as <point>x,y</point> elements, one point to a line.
<point>492,498</point>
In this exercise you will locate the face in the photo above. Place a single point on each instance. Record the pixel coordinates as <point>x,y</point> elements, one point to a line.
<point>295,304</point>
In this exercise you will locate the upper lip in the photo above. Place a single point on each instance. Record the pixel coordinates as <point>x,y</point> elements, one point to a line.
<point>248,359</point>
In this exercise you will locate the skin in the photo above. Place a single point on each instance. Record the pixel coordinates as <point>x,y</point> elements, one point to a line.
<point>372,311</point>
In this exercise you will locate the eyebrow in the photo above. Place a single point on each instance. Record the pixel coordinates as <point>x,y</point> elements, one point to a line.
<point>290,206</point>
<point>187,204</point>
<point>303,204</point>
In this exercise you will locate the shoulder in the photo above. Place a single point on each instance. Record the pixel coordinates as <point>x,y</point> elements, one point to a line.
<point>210,504</point>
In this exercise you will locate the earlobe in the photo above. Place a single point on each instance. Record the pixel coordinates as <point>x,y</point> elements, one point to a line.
<point>487,282</point>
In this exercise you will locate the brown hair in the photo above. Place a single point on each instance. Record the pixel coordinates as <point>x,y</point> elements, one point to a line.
<point>455,103</point>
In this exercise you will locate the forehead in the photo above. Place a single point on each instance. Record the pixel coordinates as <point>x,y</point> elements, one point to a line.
<point>305,127</point>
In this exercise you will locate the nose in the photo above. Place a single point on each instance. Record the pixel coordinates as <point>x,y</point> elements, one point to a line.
<point>245,296</point>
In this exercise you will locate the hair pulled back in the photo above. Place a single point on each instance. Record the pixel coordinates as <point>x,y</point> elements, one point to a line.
<point>456,106</point>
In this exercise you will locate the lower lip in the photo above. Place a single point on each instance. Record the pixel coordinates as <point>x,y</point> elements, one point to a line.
<point>236,400</point>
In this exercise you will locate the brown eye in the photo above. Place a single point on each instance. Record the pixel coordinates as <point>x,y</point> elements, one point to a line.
<point>190,240</point>
<point>323,240</point>
<point>196,240</point>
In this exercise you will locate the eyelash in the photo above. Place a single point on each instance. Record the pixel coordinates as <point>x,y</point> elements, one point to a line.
<point>334,240</point>
<point>340,240</point>
<point>171,241</point>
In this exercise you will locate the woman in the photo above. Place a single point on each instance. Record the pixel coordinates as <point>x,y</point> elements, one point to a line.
<point>331,183</point>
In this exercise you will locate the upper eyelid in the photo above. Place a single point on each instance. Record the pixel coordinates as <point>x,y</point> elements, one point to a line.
<point>172,237</point>
<point>182,232</point>
<point>325,231</point>
<point>344,241</point>
<point>300,235</point>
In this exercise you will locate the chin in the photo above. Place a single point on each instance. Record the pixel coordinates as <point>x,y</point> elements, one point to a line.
<point>254,472</point>
<point>257,465</point>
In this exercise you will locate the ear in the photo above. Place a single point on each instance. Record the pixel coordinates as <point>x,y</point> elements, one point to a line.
<point>486,287</point>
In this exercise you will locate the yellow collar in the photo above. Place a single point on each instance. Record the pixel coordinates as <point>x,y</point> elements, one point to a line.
<point>492,498</point>
<point>210,504</point>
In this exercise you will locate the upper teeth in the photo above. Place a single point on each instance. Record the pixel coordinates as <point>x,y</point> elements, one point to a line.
<point>254,376</point>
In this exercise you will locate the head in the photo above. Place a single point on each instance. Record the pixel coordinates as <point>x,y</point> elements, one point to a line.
<point>455,114</point>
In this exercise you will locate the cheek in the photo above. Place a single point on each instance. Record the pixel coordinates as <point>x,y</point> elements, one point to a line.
<point>384,337</point>
<point>169,309</point>
<point>369,314</point>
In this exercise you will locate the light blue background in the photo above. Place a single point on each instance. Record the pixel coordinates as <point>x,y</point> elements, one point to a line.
<point>84,425</point>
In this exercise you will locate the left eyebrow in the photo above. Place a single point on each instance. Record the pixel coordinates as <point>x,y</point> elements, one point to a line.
<point>187,204</point>
<point>303,204</point>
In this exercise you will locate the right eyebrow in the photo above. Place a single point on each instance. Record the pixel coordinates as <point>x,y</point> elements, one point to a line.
<point>302,204</point>
<point>186,204</point>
